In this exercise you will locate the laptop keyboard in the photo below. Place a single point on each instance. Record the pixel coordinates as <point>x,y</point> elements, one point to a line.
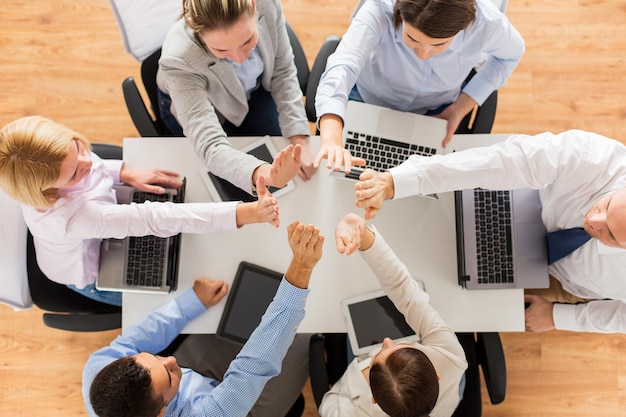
<point>381,153</point>
<point>493,236</point>
<point>146,254</point>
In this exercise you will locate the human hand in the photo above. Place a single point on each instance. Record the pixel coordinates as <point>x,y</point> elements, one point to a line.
<point>538,314</point>
<point>265,209</point>
<point>210,292</point>
<point>372,190</point>
<point>455,113</point>
<point>307,157</point>
<point>306,245</point>
<point>331,127</point>
<point>285,166</point>
<point>348,233</point>
<point>150,180</point>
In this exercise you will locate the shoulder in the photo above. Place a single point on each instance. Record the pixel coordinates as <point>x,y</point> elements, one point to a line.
<point>180,44</point>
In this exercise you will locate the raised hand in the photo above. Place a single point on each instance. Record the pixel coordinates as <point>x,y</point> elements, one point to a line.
<point>210,292</point>
<point>349,233</point>
<point>372,190</point>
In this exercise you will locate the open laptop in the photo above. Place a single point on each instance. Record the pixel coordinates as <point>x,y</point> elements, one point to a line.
<point>501,240</point>
<point>385,138</point>
<point>147,264</point>
<point>252,291</point>
<point>372,317</point>
<point>223,190</point>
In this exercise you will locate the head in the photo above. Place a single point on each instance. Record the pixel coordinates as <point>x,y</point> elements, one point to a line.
<point>429,26</point>
<point>403,380</point>
<point>227,28</point>
<point>38,157</point>
<point>135,386</point>
<point>606,220</point>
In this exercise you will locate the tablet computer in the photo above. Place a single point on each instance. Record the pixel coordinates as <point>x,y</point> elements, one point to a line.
<point>370,318</point>
<point>223,190</point>
<point>252,291</point>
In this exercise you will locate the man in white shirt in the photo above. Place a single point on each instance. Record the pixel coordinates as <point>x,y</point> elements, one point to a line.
<point>581,177</point>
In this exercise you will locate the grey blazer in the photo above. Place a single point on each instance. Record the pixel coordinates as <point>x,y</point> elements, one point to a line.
<point>205,89</point>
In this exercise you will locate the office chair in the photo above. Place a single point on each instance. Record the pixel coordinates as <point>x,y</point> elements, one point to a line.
<point>67,309</point>
<point>328,361</point>
<point>310,79</point>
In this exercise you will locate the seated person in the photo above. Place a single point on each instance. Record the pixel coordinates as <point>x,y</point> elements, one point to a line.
<point>420,379</point>
<point>127,379</point>
<point>227,68</point>
<point>414,56</point>
<point>69,203</point>
<point>581,178</point>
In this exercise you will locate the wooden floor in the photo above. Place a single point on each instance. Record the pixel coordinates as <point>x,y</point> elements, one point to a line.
<point>64,59</point>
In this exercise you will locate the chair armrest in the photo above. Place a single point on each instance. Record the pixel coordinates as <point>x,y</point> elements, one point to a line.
<point>83,322</point>
<point>319,66</point>
<point>137,109</point>
<point>486,114</point>
<point>317,368</point>
<point>107,151</point>
<point>491,359</point>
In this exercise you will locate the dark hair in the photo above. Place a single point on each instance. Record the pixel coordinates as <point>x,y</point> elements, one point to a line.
<point>436,19</point>
<point>406,385</point>
<point>124,389</point>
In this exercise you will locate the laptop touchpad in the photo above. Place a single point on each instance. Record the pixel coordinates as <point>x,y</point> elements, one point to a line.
<point>530,239</point>
<point>395,124</point>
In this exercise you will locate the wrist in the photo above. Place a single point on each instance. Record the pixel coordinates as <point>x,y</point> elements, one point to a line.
<point>368,239</point>
<point>389,186</point>
<point>299,273</point>
<point>246,213</point>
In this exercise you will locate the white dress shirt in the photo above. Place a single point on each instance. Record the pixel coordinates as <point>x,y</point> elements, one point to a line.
<point>372,54</point>
<point>351,394</point>
<point>572,170</point>
<point>67,236</point>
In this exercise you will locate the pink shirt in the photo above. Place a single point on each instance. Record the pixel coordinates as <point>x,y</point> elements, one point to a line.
<point>67,237</point>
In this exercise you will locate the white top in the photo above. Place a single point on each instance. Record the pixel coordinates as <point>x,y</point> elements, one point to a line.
<point>351,395</point>
<point>572,170</point>
<point>387,72</point>
<point>67,237</point>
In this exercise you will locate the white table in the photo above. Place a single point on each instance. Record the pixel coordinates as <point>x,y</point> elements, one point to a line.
<point>421,231</point>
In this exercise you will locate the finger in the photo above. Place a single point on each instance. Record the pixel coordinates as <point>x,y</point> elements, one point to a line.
<point>358,161</point>
<point>339,241</point>
<point>290,228</point>
<point>447,139</point>
<point>319,243</point>
<point>529,298</point>
<point>260,186</point>
<point>169,173</point>
<point>320,155</point>
<point>371,212</point>
<point>302,175</point>
<point>297,153</point>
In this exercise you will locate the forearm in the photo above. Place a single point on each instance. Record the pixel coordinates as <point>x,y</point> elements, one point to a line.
<point>601,316</point>
<point>95,220</point>
<point>331,127</point>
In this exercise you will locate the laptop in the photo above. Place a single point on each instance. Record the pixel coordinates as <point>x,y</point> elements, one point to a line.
<point>385,138</point>
<point>223,190</point>
<point>145,264</point>
<point>372,317</point>
<point>252,291</point>
<point>501,240</point>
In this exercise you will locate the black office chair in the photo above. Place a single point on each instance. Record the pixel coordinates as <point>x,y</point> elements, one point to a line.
<point>309,79</point>
<point>481,120</point>
<point>146,124</point>
<point>328,361</point>
<point>67,309</point>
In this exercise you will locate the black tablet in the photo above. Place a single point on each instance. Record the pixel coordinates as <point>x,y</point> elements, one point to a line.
<point>252,291</point>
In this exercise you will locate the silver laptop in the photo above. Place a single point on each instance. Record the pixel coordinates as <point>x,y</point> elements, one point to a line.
<point>147,264</point>
<point>501,240</point>
<point>385,138</point>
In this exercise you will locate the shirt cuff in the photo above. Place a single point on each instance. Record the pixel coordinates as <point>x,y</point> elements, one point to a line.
<point>564,316</point>
<point>404,183</point>
<point>114,168</point>
<point>290,296</point>
<point>190,304</point>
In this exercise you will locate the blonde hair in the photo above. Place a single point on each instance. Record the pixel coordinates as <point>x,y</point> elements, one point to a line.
<point>31,152</point>
<point>204,15</point>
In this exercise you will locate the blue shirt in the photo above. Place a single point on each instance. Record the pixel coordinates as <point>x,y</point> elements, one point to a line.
<point>249,71</point>
<point>373,55</point>
<point>259,360</point>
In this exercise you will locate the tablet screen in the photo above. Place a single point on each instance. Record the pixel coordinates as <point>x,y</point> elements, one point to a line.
<point>252,292</point>
<point>376,318</point>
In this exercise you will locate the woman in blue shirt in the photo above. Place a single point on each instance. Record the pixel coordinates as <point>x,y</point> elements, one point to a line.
<point>414,56</point>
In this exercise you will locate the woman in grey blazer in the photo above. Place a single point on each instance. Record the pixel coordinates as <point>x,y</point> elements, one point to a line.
<point>227,68</point>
